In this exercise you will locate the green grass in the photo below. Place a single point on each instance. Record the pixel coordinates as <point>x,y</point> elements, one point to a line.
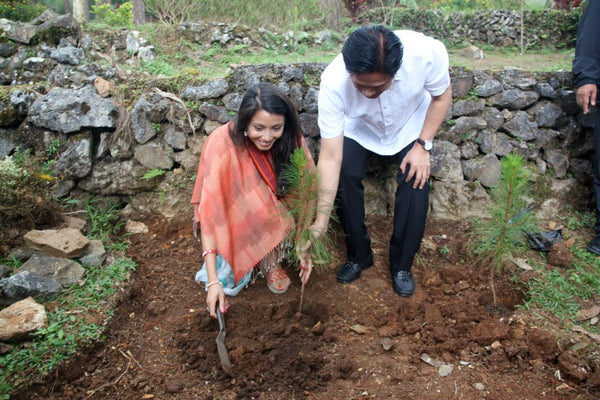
<point>562,292</point>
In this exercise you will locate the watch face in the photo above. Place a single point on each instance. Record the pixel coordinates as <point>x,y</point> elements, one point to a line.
<point>428,145</point>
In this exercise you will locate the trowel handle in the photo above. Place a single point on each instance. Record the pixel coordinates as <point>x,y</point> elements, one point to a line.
<point>221,318</point>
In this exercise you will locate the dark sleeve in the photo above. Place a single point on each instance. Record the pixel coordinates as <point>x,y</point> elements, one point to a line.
<point>586,65</point>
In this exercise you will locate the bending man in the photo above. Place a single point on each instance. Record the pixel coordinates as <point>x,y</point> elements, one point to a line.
<point>386,94</point>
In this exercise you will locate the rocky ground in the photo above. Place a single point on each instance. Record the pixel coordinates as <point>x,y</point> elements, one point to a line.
<point>349,341</point>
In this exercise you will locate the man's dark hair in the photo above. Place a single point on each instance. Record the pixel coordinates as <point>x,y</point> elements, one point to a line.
<point>372,48</point>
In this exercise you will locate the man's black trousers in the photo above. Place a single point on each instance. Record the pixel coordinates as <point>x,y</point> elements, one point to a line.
<point>410,210</point>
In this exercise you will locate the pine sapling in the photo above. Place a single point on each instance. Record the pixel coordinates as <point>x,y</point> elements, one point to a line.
<point>301,201</point>
<point>499,237</point>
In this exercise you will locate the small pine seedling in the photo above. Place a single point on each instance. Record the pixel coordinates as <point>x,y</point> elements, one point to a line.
<point>499,237</point>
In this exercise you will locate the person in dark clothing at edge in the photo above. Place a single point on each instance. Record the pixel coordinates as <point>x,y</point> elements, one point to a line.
<point>586,74</point>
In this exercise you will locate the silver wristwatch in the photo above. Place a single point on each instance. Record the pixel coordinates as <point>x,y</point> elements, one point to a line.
<point>427,144</point>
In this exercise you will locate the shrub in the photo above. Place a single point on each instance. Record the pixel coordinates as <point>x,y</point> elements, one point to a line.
<point>115,17</point>
<point>25,192</point>
<point>20,10</point>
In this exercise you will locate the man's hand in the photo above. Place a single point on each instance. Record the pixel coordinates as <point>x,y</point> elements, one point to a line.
<point>586,96</point>
<point>419,161</point>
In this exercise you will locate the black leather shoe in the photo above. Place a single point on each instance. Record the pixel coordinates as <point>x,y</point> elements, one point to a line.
<point>404,284</point>
<point>594,245</point>
<point>351,270</point>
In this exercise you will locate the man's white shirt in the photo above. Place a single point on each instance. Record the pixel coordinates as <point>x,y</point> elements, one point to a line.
<point>387,124</point>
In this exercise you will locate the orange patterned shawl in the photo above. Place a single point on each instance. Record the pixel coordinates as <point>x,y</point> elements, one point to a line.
<point>235,206</point>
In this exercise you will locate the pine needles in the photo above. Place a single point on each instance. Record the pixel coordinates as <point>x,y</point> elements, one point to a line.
<point>301,202</point>
<point>497,238</point>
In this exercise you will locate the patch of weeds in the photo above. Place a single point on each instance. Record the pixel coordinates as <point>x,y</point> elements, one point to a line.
<point>153,173</point>
<point>11,262</point>
<point>579,220</point>
<point>54,147</point>
<point>25,190</point>
<point>106,14</point>
<point>105,221</point>
<point>562,292</point>
<point>160,66</point>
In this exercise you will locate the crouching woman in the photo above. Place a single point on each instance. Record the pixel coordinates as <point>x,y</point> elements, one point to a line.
<point>237,197</point>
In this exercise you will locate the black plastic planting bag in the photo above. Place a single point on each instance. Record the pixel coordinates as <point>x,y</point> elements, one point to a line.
<point>542,241</point>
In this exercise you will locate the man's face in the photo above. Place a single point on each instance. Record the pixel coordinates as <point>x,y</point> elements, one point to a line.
<point>372,84</point>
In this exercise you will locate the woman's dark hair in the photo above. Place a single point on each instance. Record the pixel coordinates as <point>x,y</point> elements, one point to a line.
<point>265,96</point>
<point>372,48</point>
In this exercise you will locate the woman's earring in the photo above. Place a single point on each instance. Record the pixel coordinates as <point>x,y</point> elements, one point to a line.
<point>245,133</point>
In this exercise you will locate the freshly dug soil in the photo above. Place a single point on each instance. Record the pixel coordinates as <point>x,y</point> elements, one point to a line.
<point>351,341</point>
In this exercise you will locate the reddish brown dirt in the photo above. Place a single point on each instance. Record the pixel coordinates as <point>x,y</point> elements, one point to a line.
<point>161,342</point>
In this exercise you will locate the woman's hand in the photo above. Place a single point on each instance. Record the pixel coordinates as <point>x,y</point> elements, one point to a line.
<point>306,262</point>
<point>216,295</point>
<point>306,266</point>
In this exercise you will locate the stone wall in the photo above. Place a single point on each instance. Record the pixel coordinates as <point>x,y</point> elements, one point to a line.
<point>500,28</point>
<point>152,163</point>
<point>146,154</point>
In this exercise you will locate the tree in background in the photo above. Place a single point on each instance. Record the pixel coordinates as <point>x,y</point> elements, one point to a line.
<point>139,12</point>
<point>333,14</point>
<point>81,11</point>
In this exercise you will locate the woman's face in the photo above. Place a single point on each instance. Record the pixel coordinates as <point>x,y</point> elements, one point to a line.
<point>265,128</point>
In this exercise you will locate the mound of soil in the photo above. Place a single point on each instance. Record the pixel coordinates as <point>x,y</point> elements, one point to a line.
<point>358,340</point>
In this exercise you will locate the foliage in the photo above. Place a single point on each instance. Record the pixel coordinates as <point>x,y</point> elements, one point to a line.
<point>160,66</point>
<point>20,10</point>
<point>153,173</point>
<point>562,291</point>
<point>104,220</point>
<point>25,185</point>
<point>278,12</point>
<point>173,12</point>
<point>69,326</point>
<point>301,201</point>
<point>56,5</point>
<point>503,234</point>
<point>105,13</point>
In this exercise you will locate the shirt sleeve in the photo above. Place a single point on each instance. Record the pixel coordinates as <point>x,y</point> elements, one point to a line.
<point>587,51</point>
<point>438,78</point>
<point>331,112</point>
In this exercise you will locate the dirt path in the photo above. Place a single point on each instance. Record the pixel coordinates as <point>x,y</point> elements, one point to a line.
<point>161,342</point>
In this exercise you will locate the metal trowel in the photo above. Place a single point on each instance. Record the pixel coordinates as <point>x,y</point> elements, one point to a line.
<point>221,348</point>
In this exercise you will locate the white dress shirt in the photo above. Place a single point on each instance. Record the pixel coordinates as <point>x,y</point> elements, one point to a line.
<point>387,124</point>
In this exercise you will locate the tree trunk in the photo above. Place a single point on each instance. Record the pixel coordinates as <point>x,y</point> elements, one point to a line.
<point>139,12</point>
<point>67,6</point>
<point>81,11</point>
<point>332,11</point>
